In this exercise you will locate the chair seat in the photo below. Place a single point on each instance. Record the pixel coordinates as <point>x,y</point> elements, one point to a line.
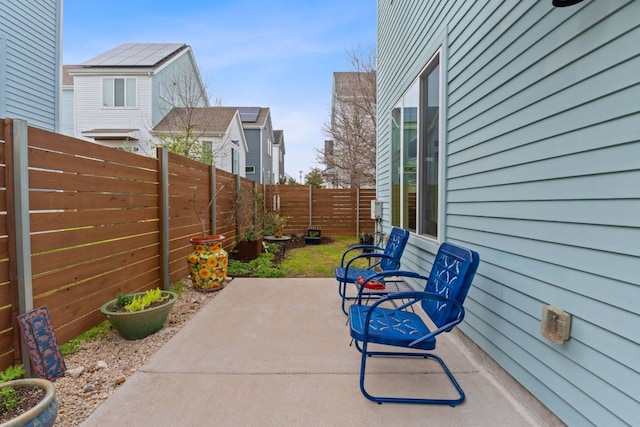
<point>390,327</point>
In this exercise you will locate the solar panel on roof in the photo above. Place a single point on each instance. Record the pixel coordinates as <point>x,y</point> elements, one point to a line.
<point>135,54</point>
<point>249,114</point>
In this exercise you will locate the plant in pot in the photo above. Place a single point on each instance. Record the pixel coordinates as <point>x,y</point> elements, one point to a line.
<point>250,244</point>
<point>208,261</point>
<point>29,401</point>
<point>139,315</point>
<point>276,222</point>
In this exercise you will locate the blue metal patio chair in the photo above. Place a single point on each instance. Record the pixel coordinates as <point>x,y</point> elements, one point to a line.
<point>378,259</point>
<point>445,291</point>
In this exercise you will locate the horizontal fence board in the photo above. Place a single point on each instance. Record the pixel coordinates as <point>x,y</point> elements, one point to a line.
<point>47,180</point>
<point>64,162</point>
<point>57,200</point>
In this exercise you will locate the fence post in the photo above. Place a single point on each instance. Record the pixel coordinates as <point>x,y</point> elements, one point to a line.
<point>357,211</point>
<point>22,227</point>
<point>310,206</point>
<point>163,158</point>
<point>212,196</point>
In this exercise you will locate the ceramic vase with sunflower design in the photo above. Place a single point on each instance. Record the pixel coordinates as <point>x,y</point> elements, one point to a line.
<point>208,263</point>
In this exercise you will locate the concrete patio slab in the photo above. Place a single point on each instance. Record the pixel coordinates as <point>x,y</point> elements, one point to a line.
<point>276,352</point>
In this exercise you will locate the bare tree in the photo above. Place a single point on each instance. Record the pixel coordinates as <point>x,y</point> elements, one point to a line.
<point>350,154</point>
<point>184,105</point>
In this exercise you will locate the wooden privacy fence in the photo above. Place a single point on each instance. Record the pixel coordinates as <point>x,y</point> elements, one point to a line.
<point>82,223</point>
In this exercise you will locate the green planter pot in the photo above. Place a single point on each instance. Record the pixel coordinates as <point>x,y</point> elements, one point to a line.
<point>136,325</point>
<point>44,413</point>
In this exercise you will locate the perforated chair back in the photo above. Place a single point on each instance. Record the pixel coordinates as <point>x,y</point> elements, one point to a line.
<point>396,243</point>
<point>451,275</point>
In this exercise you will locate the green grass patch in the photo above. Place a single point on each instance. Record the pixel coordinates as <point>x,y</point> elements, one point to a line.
<point>317,260</point>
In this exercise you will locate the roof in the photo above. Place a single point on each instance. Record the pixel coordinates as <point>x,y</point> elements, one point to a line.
<point>253,116</point>
<point>351,83</point>
<point>67,79</point>
<point>205,119</point>
<point>136,55</point>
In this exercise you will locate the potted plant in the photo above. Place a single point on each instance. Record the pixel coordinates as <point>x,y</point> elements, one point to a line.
<point>138,315</point>
<point>250,245</point>
<point>276,222</point>
<point>208,261</point>
<point>29,401</point>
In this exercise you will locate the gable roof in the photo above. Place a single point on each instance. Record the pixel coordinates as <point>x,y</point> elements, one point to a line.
<point>136,55</point>
<point>204,119</point>
<point>253,116</point>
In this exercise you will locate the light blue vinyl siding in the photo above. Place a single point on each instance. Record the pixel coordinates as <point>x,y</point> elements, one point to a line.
<point>542,179</point>
<point>30,49</point>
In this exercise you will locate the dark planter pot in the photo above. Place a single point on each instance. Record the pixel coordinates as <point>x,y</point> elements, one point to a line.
<point>312,240</point>
<point>44,413</point>
<point>139,324</point>
<point>249,249</point>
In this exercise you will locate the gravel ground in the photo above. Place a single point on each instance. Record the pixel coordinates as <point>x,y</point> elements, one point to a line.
<point>107,362</point>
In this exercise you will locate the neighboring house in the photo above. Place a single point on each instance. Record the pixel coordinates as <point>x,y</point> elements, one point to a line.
<point>67,111</point>
<point>351,151</point>
<point>219,128</point>
<point>278,155</point>
<point>513,128</point>
<point>30,62</point>
<point>259,133</point>
<point>120,95</point>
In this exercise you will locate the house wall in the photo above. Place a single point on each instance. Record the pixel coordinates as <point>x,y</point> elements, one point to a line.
<point>267,152</point>
<point>223,157</point>
<point>185,68</point>
<point>89,113</point>
<point>254,138</point>
<point>30,52</point>
<point>66,112</point>
<point>541,168</point>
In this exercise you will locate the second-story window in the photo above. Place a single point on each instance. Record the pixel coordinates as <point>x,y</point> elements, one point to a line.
<point>119,92</point>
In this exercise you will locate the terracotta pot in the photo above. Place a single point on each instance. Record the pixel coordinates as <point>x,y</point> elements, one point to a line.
<point>44,413</point>
<point>135,325</point>
<point>208,263</point>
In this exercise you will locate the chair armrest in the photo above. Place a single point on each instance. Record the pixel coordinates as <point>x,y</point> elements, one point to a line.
<point>356,247</point>
<point>413,298</point>
<point>379,276</point>
<point>368,256</point>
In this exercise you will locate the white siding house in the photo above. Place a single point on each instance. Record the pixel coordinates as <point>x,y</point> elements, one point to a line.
<point>278,155</point>
<point>218,129</point>
<point>513,128</point>
<point>30,61</point>
<point>120,95</point>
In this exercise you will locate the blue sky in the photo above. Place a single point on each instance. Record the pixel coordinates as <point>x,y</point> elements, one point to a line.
<point>277,54</point>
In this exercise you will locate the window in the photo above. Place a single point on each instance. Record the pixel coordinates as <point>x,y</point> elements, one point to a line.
<point>250,169</point>
<point>119,92</point>
<point>235,161</point>
<point>415,148</point>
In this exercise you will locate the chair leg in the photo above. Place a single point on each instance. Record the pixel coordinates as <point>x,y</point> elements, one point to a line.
<point>381,399</point>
